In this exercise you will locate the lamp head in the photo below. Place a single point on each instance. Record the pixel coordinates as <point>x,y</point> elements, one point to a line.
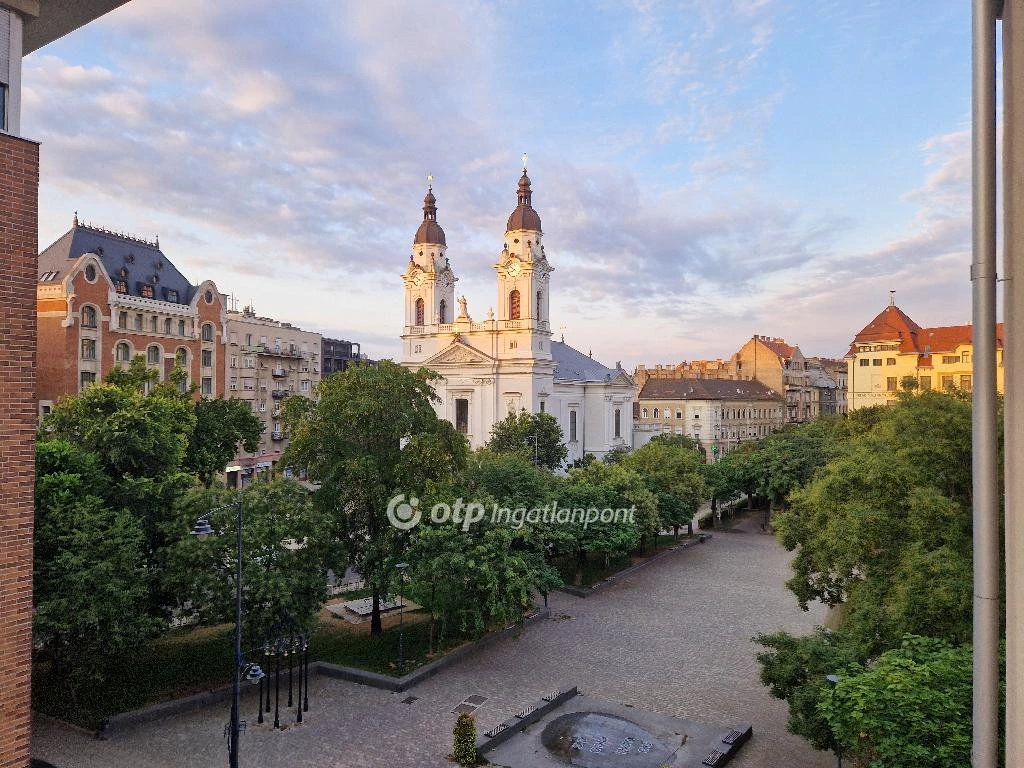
<point>202,529</point>
<point>255,674</point>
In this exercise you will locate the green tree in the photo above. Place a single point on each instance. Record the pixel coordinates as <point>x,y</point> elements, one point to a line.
<point>372,436</point>
<point>911,706</point>
<point>672,471</point>
<point>221,427</point>
<point>601,487</point>
<point>89,578</point>
<point>288,544</point>
<point>535,435</point>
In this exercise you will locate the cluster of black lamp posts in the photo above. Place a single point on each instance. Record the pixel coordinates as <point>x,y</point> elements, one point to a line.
<point>293,651</point>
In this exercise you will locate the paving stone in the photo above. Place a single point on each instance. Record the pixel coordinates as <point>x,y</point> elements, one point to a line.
<point>675,639</point>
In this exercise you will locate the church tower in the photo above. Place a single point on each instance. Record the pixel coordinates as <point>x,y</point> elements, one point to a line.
<point>429,286</point>
<point>523,275</point>
<point>429,280</point>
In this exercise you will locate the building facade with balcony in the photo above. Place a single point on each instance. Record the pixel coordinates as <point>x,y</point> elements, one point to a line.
<point>893,351</point>
<point>338,354</point>
<point>507,362</point>
<point>718,414</point>
<point>267,362</point>
<point>104,298</point>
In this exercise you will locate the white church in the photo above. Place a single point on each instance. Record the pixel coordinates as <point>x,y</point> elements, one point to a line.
<point>502,364</point>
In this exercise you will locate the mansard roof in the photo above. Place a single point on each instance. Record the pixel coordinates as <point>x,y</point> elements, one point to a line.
<point>137,262</point>
<point>573,365</point>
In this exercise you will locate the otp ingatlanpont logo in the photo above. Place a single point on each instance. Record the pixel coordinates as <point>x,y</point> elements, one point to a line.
<point>404,516</point>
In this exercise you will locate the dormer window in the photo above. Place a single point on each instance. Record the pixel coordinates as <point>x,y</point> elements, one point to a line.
<point>172,296</point>
<point>147,291</point>
<point>121,286</point>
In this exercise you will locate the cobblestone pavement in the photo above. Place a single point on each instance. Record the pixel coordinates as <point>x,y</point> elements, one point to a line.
<point>672,638</point>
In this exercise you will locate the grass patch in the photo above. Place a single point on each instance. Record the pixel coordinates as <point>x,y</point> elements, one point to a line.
<point>189,661</point>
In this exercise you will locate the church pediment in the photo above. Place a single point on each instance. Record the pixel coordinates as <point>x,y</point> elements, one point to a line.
<point>459,353</point>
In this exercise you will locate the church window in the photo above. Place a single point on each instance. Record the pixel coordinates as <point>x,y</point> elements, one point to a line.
<point>419,312</point>
<point>462,415</point>
<point>442,312</point>
<point>542,406</point>
<point>572,426</point>
<point>540,303</point>
<point>618,423</point>
<point>513,305</point>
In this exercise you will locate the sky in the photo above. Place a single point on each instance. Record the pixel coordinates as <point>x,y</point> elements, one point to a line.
<point>705,170</point>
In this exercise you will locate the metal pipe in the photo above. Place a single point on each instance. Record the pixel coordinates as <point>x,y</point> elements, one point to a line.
<point>1013,359</point>
<point>236,701</point>
<point>291,654</point>
<point>305,663</point>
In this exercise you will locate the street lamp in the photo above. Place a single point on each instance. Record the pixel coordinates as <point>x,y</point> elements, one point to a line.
<point>400,567</point>
<point>833,680</point>
<point>253,673</point>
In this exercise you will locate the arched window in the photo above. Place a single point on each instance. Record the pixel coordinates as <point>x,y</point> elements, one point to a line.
<point>644,413</point>
<point>123,353</point>
<point>540,303</point>
<point>513,305</point>
<point>419,312</point>
<point>442,312</point>
<point>655,413</point>
<point>153,355</point>
<point>88,317</point>
<point>181,358</point>
<point>207,331</point>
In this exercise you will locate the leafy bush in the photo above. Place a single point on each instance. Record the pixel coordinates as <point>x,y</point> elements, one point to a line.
<point>464,747</point>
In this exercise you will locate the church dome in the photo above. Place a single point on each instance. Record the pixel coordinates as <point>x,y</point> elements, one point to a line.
<point>430,231</point>
<point>524,217</point>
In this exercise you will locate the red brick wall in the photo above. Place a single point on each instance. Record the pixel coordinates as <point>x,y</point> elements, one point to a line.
<point>19,203</point>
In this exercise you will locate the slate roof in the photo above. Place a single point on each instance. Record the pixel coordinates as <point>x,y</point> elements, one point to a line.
<point>573,365</point>
<point>706,389</point>
<point>140,259</point>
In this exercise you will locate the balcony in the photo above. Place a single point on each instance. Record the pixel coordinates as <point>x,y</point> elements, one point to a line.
<point>279,373</point>
<point>277,436</point>
<point>278,394</point>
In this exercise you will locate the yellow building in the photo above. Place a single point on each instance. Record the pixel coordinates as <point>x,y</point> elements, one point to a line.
<point>892,349</point>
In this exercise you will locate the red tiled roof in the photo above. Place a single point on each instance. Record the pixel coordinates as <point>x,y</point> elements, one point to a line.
<point>892,324</point>
<point>779,347</point>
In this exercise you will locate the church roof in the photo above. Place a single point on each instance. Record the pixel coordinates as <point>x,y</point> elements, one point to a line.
<point>706,389</point>
<point>430,231</point>
<point>524,216</point>
<point>135,261</point>
<point>573,365</point>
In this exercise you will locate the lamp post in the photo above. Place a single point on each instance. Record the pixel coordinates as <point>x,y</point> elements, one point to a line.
<point>400,567</point>
<point>833,680</point>
<point>252,672</point>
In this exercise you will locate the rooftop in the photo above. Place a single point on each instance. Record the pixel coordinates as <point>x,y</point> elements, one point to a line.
<point>706,389</point>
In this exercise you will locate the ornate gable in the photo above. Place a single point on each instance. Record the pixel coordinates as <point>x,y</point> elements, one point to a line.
<point>459,353</point>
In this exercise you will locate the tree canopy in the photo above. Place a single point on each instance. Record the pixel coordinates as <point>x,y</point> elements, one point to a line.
<point>534,435</point>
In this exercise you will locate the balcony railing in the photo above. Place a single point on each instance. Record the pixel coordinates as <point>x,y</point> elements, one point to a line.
<point>277,394</point>
<point>279,373</point>
<point>277,436</point>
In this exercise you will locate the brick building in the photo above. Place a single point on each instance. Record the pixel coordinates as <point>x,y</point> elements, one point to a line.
<point>103,298</point>
<point>25,26</point>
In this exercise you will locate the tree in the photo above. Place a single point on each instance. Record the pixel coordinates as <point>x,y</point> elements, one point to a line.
<point>672,471</point>
<point>535,435</point>
<point>221,427</point>
<point>371,437</point>
<point>288,544</point>
<point>600,487</point>
<point>90,584</point>
<point>912,706</point>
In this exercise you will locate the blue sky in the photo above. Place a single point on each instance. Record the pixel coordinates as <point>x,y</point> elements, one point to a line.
<point>704,170</point>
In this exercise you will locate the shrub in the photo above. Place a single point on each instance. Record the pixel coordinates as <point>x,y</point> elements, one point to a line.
<point>464,747</point>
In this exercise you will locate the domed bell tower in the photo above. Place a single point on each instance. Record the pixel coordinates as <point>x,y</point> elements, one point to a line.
<point>429,279</point>
<point>523,275</point>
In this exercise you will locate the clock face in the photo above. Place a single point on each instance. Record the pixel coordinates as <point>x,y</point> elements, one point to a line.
<point>418,278</point>
<point>514,268</point>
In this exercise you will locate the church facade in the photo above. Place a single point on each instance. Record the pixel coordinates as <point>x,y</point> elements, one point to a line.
<point>508,361</point>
